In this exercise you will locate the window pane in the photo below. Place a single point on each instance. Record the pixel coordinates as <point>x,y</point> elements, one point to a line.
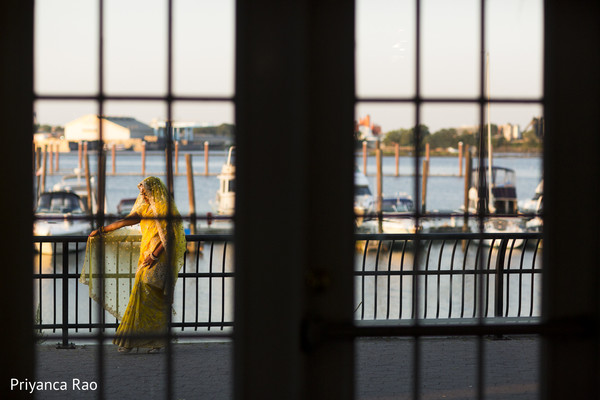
<point>451,48</point>
<point>135,47</point>
<point>66,47</point>
<point>385,48</point>
<point>515,43</point>
<point>204,47</point>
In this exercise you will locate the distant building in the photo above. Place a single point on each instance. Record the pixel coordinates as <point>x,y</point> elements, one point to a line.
<point>125,131</point>
<point>181,130</point>
<point>184,132</point>
<point>510,132</point>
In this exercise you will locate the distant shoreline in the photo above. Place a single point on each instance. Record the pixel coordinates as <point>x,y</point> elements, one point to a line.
<point>501,152</point>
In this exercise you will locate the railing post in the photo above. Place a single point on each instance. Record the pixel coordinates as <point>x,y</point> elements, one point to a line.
<point>65,298</point>
<point>499,287</point>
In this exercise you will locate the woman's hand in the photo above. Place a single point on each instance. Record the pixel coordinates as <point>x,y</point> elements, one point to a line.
<point>149,261</point>
<point>96,232</point>
<point>152,256</point>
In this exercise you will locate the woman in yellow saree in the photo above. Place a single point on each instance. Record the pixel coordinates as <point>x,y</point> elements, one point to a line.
<point>144,323</point>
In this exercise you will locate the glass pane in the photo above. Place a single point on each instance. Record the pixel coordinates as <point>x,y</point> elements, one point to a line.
<point>450,48</point>
<point>135,47</point>
<point>203,47</point>
<point>515,44</point>
<point>385,48</point>
<point>66,47</point>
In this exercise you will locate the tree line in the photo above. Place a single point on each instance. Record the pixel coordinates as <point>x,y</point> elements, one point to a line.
<point>450,137</point>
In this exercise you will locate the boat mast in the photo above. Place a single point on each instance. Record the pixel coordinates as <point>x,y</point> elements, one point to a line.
<point>490,156</point>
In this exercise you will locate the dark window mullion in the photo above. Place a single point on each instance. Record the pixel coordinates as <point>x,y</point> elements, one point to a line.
<point>418,209</point>
<point>480,374</point>
<point>100,218</point>
<point>170,188</point>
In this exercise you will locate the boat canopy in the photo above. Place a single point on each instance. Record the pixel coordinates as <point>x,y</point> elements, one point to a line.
<point>501,176</point>
<point>60,203</point>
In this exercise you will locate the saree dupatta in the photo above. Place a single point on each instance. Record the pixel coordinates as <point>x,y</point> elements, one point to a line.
<point>110,277</point>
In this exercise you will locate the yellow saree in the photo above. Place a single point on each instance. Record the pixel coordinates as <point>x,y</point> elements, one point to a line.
<point>144,321</point>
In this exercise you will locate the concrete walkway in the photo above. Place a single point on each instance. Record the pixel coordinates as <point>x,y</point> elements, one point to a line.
<point>384,370</point>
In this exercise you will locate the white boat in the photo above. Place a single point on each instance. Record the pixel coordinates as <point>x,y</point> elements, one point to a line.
<point>226,194</point>
<point>534,205</point>
<point>63,212</point>
<point>363,198</point>
<point>363,201</point>
<point>397,216</point>
<point>224,205</point>
<point>501,199</point>
<point>60,213</point>
<point>77,184</point>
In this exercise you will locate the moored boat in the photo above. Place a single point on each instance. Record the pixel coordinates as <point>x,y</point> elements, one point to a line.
<point>60,213</point>
<point>499,202</point>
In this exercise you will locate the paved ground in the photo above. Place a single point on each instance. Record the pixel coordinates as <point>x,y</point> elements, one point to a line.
<point>384,370</point>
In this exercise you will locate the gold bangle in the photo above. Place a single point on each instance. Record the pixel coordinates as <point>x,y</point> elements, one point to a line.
<point>152,256</point>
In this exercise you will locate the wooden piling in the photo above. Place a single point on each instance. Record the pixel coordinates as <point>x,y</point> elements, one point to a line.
<point>379,186</point>
<point>143,158</point>
<point>85,149</point>
<point>468,182</point>
<point>38,158</point>
<point>191,192</point>
<point>88,178</point>
<point>364,149</point>
<point>177,158</point>
<point>79,155</point>
<point>397,156</point>
<point>460,158</point>
<point>56,153</point>
<point>427,151</point>
<point>51,154</point>
<point>101,183</point>
<point>37,162</point>
<point>206,158</point>
<point>44,165</point>
<point>424,186</point>
<point>113,158</point>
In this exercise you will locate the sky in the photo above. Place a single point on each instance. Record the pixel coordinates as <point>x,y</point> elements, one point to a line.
<point>66,58</point>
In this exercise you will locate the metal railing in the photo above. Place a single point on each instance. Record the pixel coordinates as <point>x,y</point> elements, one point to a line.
<point>448,276</point>
<point>400,277</point>
<point>203,297</point>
